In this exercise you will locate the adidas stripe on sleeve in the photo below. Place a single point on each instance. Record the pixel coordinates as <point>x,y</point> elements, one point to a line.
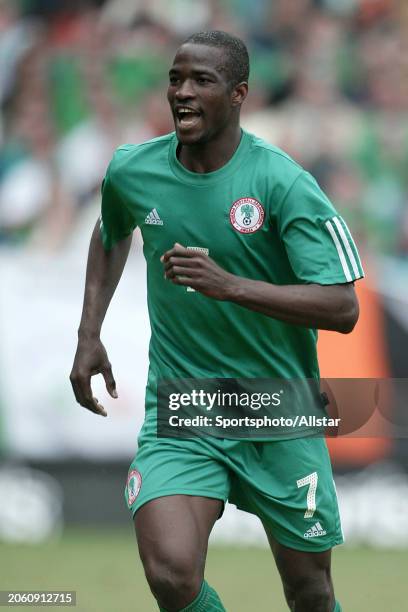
<point>346,248</point>
<point>318,242</point>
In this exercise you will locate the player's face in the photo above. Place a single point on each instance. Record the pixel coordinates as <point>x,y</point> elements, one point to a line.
<point>200,98</point>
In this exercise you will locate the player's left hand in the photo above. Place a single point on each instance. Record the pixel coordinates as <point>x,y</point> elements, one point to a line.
<point>196,270</point>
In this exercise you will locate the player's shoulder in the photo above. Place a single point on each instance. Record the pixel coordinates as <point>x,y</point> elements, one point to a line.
<point>144,152</point>
<point>274,158</point>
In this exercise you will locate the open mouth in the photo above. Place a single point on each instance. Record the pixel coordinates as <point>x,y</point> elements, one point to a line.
<point>187,118</point>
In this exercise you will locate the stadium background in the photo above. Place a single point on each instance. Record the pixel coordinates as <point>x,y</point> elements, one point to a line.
<point>329,84</point>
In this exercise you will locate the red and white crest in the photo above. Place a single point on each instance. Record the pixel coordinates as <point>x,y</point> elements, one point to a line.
<point>247,215</point>
<point>133,484</point>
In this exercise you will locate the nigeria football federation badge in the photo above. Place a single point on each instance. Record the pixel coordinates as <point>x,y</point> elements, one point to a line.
<point>247,215</point>
<point>134,482</point>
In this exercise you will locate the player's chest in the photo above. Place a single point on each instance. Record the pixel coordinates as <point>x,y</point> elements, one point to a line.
<point>223,220</point>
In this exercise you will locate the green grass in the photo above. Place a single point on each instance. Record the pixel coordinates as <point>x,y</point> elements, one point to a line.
<point>103,567</point>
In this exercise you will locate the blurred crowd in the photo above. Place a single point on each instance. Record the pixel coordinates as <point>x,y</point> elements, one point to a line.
<point>329,84</point>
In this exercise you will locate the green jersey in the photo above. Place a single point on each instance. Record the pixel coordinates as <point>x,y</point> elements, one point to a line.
<point>261,217</point>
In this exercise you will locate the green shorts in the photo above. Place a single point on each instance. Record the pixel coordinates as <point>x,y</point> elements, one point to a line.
<point>288,484</point>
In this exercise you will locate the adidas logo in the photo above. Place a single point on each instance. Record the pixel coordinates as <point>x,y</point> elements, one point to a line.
<point>315,531</point>
<point>153,218</point>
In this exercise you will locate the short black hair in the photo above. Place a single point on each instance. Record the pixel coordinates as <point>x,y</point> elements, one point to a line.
<point>236,56</point>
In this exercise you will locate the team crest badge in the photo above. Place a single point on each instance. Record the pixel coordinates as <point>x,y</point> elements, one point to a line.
<point>134,482</point>
<point>247,215</point>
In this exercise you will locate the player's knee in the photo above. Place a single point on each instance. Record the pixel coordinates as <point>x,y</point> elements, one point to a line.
<point>310,594</point>
<point>171,576</point>
<point>314,596</point>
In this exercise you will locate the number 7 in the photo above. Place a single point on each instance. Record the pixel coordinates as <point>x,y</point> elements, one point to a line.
<point>310,480</point>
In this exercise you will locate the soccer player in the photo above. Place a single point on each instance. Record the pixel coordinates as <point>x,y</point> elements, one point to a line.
<point>246,258</point>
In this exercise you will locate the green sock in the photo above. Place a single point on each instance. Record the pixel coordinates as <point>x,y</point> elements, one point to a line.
<point>206,601</point>
<point>337,607</point>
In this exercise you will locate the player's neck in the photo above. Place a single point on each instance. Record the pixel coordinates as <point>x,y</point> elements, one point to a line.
<point>211,155</point>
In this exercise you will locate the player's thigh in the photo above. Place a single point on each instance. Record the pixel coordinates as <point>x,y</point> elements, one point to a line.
<point>299,568</point>
<point>175,491</point>
<point>172,532</point>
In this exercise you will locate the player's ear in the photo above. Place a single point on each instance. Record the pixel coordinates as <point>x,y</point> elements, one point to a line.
<point>239,93</point>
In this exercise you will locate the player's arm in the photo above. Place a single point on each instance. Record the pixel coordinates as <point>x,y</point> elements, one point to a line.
<point>104,269</point>
<point>333,307</point>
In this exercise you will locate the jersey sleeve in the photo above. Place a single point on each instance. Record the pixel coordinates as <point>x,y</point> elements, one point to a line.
<point>116,221</point>
<point>317,240</point>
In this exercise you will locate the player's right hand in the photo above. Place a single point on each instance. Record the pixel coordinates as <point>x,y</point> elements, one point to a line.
<point>91,359</point>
